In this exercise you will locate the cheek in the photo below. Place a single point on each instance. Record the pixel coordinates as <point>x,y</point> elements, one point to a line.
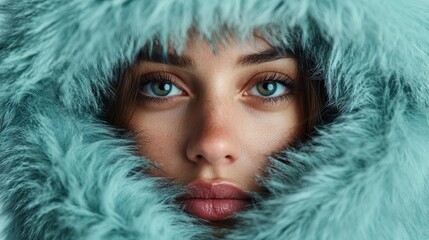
<point>273,131</point>
<point>160,140</point>
<point>262,135</point>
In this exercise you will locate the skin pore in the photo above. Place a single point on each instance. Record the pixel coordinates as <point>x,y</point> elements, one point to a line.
<point>215,116</point>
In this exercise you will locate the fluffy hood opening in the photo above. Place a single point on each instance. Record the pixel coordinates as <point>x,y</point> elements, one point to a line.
<point>66,173</point>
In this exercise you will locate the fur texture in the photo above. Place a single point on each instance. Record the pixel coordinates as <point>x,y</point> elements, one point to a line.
<point>65,174</point>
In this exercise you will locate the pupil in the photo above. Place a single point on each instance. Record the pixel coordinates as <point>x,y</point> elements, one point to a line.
<point>267,88</point>
<point>162,88</point>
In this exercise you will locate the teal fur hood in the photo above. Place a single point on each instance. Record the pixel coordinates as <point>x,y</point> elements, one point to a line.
<point>67,174</point>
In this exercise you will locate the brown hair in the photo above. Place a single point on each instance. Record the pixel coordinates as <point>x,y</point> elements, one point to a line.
<point>124,94</point>
<point>313,96</point>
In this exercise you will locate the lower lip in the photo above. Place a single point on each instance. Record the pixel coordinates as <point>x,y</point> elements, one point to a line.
<point>213,209</point>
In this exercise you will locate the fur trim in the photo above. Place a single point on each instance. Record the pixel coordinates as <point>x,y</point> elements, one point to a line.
<point>66,175</point>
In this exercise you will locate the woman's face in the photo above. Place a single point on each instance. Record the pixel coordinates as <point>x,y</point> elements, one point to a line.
<point>209,119</point>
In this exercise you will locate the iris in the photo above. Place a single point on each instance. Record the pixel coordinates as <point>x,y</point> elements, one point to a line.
<point>161,88</point>
<point>267,88</point>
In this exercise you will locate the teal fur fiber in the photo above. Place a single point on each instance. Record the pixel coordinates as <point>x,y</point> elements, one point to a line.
<point>66,174</point>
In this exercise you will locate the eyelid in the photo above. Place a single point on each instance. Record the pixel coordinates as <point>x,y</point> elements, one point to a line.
<point>183,78</point>
<point>275,76</point>
<point>269,76</point>
<point>163,76</point>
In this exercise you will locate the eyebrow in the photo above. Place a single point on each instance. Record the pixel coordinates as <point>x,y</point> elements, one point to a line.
<point>262,57</point>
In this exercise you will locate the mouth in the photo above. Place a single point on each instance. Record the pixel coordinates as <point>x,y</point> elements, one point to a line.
<point>214,201</point>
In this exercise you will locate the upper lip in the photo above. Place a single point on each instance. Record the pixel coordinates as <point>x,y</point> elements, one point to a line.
<point>206,189</point>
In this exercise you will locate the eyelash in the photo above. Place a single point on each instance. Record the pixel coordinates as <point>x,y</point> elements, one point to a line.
<point>165,77</point>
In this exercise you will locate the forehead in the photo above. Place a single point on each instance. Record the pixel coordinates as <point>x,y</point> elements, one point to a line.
<point>199,51</point>
<point>228,46</point>
<point>196,47</point>
<point>196,43</point>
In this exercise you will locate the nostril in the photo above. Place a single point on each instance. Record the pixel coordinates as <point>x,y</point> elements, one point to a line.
<point>211,159</point>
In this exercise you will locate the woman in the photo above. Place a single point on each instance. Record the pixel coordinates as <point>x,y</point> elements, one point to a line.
<point>81,158</point>
<point>209,119</point>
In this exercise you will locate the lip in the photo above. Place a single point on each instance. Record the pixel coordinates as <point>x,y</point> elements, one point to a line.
<point>214,200</point>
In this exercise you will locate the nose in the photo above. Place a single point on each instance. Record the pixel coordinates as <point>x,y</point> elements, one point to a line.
<point>213,139</point>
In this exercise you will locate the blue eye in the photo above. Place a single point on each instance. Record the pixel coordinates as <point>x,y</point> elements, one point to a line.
<point>270,88</point>
<point>159,88</point>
